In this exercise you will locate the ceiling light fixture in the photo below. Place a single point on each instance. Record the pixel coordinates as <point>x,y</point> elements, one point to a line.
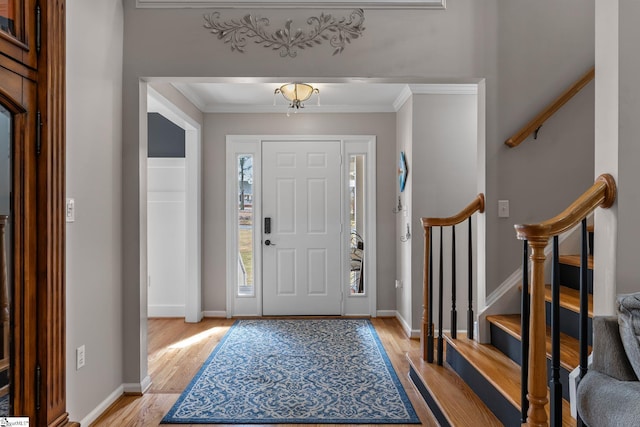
<point>296,94</point>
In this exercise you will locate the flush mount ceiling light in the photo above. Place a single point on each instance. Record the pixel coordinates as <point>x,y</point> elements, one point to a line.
<point>296,94</point>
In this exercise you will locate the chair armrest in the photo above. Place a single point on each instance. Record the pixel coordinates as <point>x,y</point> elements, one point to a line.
<point>609,356</point>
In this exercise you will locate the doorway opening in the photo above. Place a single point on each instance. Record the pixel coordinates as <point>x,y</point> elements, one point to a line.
<point>174,216</point>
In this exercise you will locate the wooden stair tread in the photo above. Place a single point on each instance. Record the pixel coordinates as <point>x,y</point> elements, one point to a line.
<point>502,372</point>
<point>574,260</point>
<point>569,346</point>
<point>590,228</point>
<point>457,402</point>
<point>570,299</point>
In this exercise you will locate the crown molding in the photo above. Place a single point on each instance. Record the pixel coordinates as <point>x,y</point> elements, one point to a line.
<point>192,96</point>
<point>444,89</point>
<point>291,4</point>
<point>308,109</point>
<point>433,89</point>
<point>405,94</point>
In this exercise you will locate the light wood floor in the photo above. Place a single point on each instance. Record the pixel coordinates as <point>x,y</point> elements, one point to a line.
<point>178,349</point>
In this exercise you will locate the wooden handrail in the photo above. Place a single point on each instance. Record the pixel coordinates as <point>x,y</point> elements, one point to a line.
<point>601,194</point>
<point>477,205</point>
<point>550,110</point>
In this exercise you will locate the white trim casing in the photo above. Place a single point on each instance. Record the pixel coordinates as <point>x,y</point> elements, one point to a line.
<point>243,305</point>
<point>193,157</point>
<point>361,304</point>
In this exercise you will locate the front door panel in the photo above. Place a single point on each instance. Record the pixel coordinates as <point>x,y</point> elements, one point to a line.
<point>301,255</point>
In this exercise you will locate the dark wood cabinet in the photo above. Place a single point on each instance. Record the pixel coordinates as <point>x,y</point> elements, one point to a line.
<point>19,26</point>
<point>32,176</point>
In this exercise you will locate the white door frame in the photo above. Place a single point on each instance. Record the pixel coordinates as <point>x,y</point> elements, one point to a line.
<point>251,144</point>
<point>193,219</point>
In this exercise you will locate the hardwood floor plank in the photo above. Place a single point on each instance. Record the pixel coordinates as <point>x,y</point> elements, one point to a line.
<point>177,350</point>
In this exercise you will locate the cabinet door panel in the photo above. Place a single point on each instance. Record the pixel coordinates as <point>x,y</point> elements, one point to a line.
<point>17,245</point>
<point>18,30</point>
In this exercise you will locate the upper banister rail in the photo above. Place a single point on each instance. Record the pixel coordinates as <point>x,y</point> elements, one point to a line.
<point>476,205</point>
<point>550,110</point>
<point>601,194</point>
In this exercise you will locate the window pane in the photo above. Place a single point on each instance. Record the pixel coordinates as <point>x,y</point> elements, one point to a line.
<point>245,226</point>
<point>8,16</point>
<point>6,260</point>
<point>356,220</point>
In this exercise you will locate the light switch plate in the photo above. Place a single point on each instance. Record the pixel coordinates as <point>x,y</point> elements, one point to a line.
<point>70,210</point>
<point>503,209</point>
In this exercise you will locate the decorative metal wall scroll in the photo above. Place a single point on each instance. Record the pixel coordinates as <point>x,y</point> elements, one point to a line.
<point>337,31</point>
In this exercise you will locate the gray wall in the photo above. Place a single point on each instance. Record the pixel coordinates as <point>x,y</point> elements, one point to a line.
<point>404,132</point>
<point>93,175</point>
<point>445,136</point>
<point>543,47</point>
<point>438,134</point>
<point>218,126</point>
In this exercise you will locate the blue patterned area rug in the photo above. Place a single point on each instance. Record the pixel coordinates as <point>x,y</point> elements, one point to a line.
<point>321,371</point>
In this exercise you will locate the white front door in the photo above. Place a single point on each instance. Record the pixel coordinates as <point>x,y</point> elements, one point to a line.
<point>302,253</point>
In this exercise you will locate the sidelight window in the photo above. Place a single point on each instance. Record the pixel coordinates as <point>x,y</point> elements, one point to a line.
<point>245,226</point>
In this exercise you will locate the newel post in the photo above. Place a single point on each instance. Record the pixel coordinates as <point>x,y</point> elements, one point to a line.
<point>537,395</point>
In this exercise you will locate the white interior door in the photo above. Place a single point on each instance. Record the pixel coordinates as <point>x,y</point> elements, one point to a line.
<point>302,253</point>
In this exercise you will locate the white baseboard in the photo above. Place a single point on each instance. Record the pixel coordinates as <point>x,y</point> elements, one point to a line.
<point>222,314</point>
<point>166,311</point>
<point>93,415</point>
<point>411,333</point>
<point>386,313</point>
<point>137,388</point>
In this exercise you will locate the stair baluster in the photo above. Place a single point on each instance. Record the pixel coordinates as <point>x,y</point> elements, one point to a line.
<point>584,307</point>
<point>454,313</point>
<point>524,342</point>
<point>470,286</point>
<point>430,293</point>
<point>555,387</point>
<point>440,301</point>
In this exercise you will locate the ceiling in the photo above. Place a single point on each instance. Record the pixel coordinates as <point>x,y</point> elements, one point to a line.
<point>354,97</point>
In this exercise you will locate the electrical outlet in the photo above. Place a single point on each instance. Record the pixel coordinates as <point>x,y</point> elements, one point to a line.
<point>398,284</point>
<point>80,357</point>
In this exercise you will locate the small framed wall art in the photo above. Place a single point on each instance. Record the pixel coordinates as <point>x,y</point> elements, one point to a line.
<point>403,171</point>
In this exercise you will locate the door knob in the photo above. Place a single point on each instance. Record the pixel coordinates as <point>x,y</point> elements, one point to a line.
<point>268,243</point>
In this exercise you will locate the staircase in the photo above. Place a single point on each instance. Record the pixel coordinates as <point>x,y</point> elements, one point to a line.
<point>482,381</point>
<point>480,384</point>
